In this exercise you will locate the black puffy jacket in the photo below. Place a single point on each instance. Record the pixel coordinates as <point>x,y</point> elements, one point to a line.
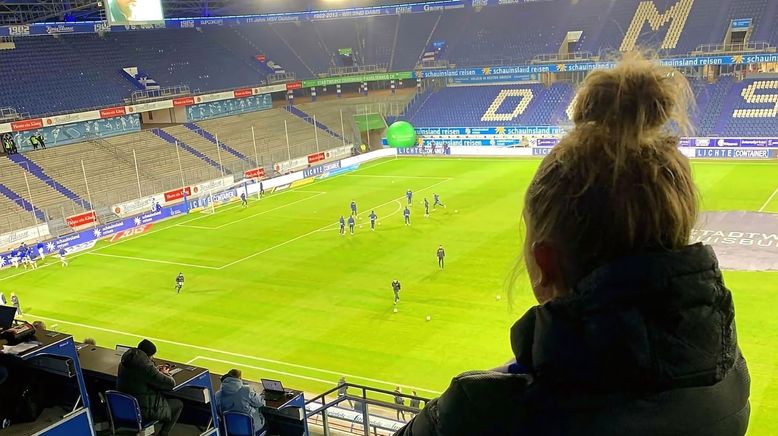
<point>643,346</point>
<point>139,377</point>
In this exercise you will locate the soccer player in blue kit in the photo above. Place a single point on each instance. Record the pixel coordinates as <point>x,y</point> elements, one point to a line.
<point>351,223</point>
<point>407,215</point>
<point>426,207</point>
<point>373,217</point>
<point>243,201</point>
<point>409,196</point>
<point>441,256</point>
<point>353,207</point>
<point>437,202</point>
<point>342,226</point>
<point>179,282</point>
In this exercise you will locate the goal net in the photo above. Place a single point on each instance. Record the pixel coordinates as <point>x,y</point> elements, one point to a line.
<point>214,198</point>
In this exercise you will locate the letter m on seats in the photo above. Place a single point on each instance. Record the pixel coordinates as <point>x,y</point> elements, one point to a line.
<point>676,15</point>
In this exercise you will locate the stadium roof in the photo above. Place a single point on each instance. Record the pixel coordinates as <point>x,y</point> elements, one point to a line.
<point>32,11</point>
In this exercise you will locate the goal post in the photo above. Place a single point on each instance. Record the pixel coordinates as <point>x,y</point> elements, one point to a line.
<point>214,198</point>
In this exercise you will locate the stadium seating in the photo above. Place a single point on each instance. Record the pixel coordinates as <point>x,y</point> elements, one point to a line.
<point>216,58</point>
<point>726,107</point>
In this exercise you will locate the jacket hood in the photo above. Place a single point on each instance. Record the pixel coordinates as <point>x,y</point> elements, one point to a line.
<point>649,322</point>
<point>231,385</point>
<point>135,357</point>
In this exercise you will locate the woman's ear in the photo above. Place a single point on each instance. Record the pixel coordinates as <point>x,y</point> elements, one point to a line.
<point>549,283</point>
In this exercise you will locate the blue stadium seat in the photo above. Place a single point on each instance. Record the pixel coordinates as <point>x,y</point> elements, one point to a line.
<point>124,414</point>
<point>239,424</point>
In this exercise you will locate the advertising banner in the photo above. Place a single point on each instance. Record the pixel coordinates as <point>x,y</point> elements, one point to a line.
<point>138,205</point>
<point>13,239</point>
<point>81,220</point>
<point>729,142</point>
<point>177,194</point>
<point>321,169</point>
<point>183,101</point>
<point>291,165</point>
<point>216,198</point>
<point>424,151</point>
<point>112,112</point>
<point>547,142</point>
<point>225,108</point>
<point>24,125</point>
<point>541,151</point>
<point>205,187</point>
<point>78,131</point>
<point>488,131</point>
<point>316,157</point>
<point>86,238</point>
<point>371,77</point>
<point>131,232</point>
<point>255,173</point>
<point>736,153</point>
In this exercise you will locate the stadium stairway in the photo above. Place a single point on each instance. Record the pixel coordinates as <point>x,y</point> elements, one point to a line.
<point>212,138</point>
<point>21,202</point>
<point>309,119</point>
<point>167,137</point>
<point>731,100</point>
<point>35,170</point>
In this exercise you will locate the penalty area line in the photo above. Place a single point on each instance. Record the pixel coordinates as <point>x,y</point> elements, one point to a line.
<point>143,259</point>
<point>769,199</point>
<point>229,353</point>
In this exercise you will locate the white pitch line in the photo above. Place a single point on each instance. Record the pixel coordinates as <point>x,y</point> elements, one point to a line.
<point>253,215</point>
<point>228,353</point>
<point>259,368</point>
<point>395,177</point>
<point>251,256</point>
<point>761,209</point>
<point>143,259</point>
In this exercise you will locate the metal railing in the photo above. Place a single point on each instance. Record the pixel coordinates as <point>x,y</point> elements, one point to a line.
<point>556,57</point>
<point>431,65</point>
<point>751,47</point>
<point>8,114</point>
<point>281,78</point>
<point>147,95</point>
<point>360,69</point>
<point>371,411</point>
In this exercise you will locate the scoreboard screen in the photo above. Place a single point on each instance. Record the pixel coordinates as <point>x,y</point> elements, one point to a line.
<point>129,12</point>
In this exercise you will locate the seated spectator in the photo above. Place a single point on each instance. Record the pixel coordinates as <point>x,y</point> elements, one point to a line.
<point>90,341</point>
<point>635,332</point>
<point>237,396</point>
<point>141,378</point>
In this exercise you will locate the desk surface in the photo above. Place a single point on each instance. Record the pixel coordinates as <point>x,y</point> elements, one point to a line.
<point>105,362</point>
<point>217,383</point>
<point>44,339</point>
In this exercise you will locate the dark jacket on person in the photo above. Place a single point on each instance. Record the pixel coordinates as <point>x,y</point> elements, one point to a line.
<point>139,377</point>
<point>645,345</point>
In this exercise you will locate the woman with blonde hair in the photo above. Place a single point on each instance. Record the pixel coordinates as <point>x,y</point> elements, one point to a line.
<point>634,333</point>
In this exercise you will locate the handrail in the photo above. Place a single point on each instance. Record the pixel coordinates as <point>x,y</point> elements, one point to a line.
<point>365,389</point>
<point>556,57</point>
<point>147,95</point>
<point>359,69</point>
<point>749,47</point>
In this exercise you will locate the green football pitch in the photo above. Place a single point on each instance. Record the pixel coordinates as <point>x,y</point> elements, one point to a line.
<point>273,288</point>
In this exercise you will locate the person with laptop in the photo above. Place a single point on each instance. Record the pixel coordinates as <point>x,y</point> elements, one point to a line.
<point>237,396</point>
<point>141,378</point>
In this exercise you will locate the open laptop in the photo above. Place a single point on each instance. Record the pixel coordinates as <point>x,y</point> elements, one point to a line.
<point>7,314</point>
<point>274,390</point>
<point>121,349</point>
